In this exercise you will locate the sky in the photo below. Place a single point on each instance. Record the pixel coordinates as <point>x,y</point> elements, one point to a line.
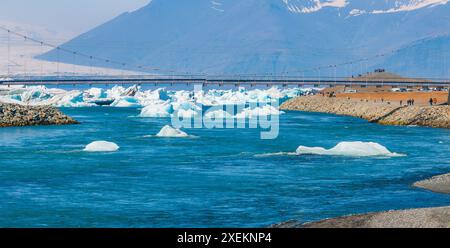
<point>70,16</point>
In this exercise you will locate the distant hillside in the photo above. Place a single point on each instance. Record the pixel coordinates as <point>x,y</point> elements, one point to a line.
<point>271,36</point>
<point>431,55</point>
<point>387,76</point>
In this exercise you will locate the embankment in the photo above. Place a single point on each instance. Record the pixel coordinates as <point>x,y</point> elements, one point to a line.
<point>413,218</point>
<point>18,115</point>
<point>377,112</point>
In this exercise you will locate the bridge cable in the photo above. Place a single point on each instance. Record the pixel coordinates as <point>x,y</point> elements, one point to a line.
<point>91,57</point>
<point>9,54</point>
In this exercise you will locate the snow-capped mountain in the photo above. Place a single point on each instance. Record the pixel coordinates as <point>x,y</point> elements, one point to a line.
<point>361,7</point>
<point>272,36</point>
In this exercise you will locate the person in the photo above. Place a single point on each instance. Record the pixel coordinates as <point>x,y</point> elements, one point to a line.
<point>434,101</point>
<point>412,102</point>
<point>401,102</point>
<point>431,101</point>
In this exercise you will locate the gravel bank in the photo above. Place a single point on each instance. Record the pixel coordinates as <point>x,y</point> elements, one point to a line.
<point>19,115</point>
<point>413,218</point>
<point>438,184</point>
<point>382,113</point>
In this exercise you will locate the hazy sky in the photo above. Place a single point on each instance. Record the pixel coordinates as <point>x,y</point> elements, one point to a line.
<point>72,16</point>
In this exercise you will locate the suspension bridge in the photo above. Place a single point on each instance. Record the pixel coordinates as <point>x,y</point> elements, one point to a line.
<point>162,77</point>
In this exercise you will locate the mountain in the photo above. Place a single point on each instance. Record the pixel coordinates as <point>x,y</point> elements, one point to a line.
<point>270,36</point>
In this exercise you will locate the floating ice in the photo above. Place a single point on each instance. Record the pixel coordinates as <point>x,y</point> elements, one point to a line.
<point>157,109</point>
<point>353,149</point>
<point>218,114</point>
<point>125,102</point>
<point>259,111</point>
<point>101,146</point>
<point>95,93</point>
<point>186,109</point>
<point>184,101</point>
<point>170,132</point>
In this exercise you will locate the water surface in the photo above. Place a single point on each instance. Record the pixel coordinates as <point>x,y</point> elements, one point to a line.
<point>217,179</point>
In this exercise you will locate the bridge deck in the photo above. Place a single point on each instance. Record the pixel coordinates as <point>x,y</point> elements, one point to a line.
<point>224,81</point>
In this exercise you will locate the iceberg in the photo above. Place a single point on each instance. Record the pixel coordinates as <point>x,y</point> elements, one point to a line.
<point>95,93</point>
<point>266,110</point>
<point>157,110</point>
<point>218,114</point>
<point>125,102</point>
<point>170,132</point>
<point>352,149</point>
<point>164,102</point>
<point>101,146</point>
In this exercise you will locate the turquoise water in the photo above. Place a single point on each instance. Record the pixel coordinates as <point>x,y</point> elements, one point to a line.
<point>217,179</point>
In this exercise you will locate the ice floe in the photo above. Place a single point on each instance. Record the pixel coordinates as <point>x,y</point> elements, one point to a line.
<point>155,102</point>
<point>101,146</point>
<point>353,149</point>
<point>258,111</point>
<point>157,109</point>
<point>170,132</point>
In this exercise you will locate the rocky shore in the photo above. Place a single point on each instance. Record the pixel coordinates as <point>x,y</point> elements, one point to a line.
<point>376,112</point>
<point>18,115</point>
<point>438,184</point>
<point>387,114</point>
<point>413,218</point>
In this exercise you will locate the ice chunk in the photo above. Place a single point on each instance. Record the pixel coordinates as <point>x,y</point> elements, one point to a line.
<point>101,146</point>
<point>126,102</point>
<point>95,93</point>
<point>353,149</point>
<point>218,114</point>
<point>170,132</point>
<point>157,109</point>
<point>266,110</point>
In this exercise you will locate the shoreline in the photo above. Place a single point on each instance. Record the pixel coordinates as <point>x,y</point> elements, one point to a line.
<point>384,113</point>
<point>15,115</point>
<point>437,217</point>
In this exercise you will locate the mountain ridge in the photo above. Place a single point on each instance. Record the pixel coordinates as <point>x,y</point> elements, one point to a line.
<point>254,36</point>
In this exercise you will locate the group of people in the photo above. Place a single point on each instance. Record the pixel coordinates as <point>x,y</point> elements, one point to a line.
<point>410,102</point>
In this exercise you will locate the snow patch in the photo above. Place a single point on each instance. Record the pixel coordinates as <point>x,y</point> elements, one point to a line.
<point>316,5</point>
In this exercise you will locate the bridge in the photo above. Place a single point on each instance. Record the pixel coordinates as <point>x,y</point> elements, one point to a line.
<point>283,81</point>
<point>167,77</point>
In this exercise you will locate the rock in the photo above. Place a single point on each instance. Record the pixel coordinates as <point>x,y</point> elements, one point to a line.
<point>438,184</point>
<point>412,218</point>
<point>20,115</point>
<point>387,114</point>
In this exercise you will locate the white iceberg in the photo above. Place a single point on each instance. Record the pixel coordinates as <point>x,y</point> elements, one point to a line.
<point>164,102</point>
<point>266,110</point>
<point>101,146</point>
<point>170,132</point>
<point>125,102</point>
<point>157,110</point>
<point>352,149</point>
<point>218,114</point>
